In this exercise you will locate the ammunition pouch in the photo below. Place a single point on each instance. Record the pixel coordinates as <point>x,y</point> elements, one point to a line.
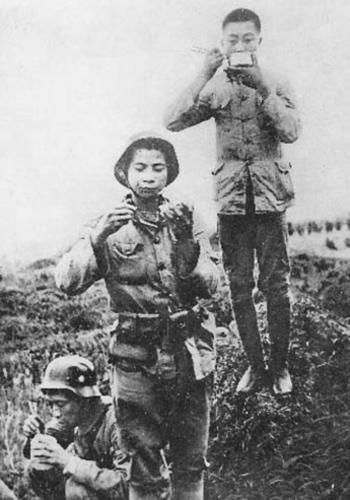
<point>152,330</point>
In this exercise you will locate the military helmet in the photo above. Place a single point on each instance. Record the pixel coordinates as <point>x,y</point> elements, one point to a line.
<point>72,373</point>
<point>148,140</point>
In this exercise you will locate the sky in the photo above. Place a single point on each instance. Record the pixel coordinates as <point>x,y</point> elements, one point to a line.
<point>78,77</point>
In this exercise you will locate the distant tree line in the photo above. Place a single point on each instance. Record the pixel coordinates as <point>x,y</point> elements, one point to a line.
<point>312,226</point>
<point>308,227</point>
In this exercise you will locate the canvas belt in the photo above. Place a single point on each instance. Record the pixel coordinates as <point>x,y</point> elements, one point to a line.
<point>167,331</point>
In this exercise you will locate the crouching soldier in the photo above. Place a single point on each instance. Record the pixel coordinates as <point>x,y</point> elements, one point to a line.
<point>155,262</point>
<point>92,466</point>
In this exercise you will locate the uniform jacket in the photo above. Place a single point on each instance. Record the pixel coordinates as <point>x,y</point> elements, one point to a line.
<point>139,266</point>
<point>249,132</point>
<point>96,461</point>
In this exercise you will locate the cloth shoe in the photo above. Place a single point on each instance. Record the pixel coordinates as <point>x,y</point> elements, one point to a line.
<point>282,383</point>
<point>251,381</point>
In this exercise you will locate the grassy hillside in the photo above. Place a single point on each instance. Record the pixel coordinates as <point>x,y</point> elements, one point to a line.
<point>261,447</point>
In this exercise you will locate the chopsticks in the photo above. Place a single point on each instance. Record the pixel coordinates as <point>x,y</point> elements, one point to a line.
<point>199,50</point>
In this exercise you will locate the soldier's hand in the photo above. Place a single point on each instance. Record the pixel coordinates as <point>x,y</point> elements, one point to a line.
<point>181,221</point>
<point>213,60</point>
<point>187,249</point>
<point>252,76</point>
<point>49,452</point>
<point>32,426</point>
<point>111,222</point>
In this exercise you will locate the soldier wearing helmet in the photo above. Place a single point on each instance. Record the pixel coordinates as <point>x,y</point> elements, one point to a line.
<point>155,261</point>
<point>92,466</point>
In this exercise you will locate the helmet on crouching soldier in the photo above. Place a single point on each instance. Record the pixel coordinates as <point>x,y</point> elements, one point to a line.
<point>71,373</point>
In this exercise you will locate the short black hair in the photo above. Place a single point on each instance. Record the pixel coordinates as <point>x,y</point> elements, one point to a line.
<point>242,16</point>
<point>150,143</point>
<point>147,142</point>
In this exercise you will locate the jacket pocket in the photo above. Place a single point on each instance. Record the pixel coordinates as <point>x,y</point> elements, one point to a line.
<point>130,262</point>
<point>285,189</point>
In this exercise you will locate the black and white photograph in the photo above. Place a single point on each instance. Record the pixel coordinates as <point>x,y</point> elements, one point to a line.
<point>175,250</point>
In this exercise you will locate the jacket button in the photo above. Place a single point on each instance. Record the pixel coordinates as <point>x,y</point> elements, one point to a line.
<point>161,266</point>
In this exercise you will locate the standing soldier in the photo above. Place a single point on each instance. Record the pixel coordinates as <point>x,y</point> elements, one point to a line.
<point>92,467</point>
<point>254,112</point>
<point>155,264</point>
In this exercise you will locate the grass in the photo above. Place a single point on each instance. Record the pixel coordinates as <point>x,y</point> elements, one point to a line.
<point>260,447</point>
<point>292,448</point>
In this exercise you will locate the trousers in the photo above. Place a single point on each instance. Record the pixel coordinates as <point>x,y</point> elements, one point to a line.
<point>162,421</point>
<point>264,235</point>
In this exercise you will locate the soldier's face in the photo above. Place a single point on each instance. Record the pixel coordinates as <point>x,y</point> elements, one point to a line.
<point>65,408</point>
<point>147,173</point>
<point>240,37</point>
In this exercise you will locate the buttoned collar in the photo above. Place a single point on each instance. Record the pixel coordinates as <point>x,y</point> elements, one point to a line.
<point>144,223</point>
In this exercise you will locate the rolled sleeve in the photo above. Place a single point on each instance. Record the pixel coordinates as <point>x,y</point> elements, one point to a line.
<point>98,479</point>
<point>79,268</point>
<point>187,111</point>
